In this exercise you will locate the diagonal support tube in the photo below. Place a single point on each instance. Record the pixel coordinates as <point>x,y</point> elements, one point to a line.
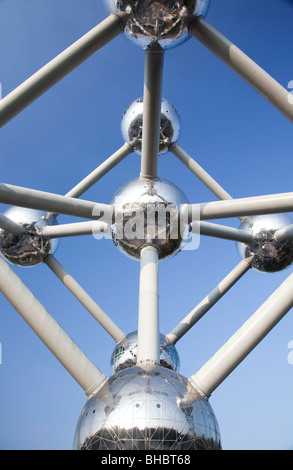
<point>148,315</point>
<point>60,66</point>
<point>84,298</point>
<point>34,199</point>
<point>285,233</point>
<point>49,331</point>
<point>245,67</point>
<point>152,99</point>
<point>9,225</point>
<point>209,301</point>
<point>101,171</point>
<point>199,172</point>
<point>75,229</point>
<point>227,358</point>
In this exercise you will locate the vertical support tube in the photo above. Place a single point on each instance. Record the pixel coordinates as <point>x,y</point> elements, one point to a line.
<point>152,99</point>
<point>227,358</point>
<point>49,331</point>
<point>148,316</point>
<point>248,206</point>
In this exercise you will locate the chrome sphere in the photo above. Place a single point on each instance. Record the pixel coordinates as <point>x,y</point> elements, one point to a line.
<point>125,353</point>
<point>131,125</point>
<point>29,248</point>
<point>147,212</point>
<point>269,254</point>
<point>150,408</point>
<point>163,22</point>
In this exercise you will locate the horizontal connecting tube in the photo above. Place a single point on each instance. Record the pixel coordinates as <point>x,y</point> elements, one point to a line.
<point>60,66</point>
<point>221,231</point>
<point>71,230</point>
<point>270,204</point>
<point>34,199</point>
<point>49,331</point>
<point>245,67</point>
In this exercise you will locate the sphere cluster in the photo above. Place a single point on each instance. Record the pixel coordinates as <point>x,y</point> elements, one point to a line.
<point>159,22</point>
<point>132,121</point>
<point>269,255</point>
<point>30,248</point>
<point>151,408</point>
<point>147,212</point>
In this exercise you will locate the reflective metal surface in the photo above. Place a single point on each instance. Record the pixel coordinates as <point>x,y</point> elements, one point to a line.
<point>159,21</point>
<point>131,125</point>
<point>269,255</point>
<point>125,354</point>
<point>147,212</point>
<point>29,248</point>
<point>147,409</point>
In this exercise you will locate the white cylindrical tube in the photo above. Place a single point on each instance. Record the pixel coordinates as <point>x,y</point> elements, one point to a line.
<point>148,316</point>
<point>245,67</point>
<point>227,358</point>
<point>79,366</point>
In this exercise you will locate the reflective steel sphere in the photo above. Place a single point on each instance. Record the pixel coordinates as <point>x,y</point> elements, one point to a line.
<point>131,125</point>
<point>147,212</point>
<point>29,248</point>
<point>125,354</point>
<point>147,409</point>
<point>269,255</point>
<point>163,22</point>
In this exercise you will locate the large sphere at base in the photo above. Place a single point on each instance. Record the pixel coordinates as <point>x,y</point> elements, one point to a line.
<point>148,212</point>
<point>147,409</point>
<point>125,354</point>
<point>163,22</point>
<point>29,248</point>
<point>269,255</point>
<point>132,120</point>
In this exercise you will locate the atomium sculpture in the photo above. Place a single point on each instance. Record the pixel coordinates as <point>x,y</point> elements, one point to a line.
<point>147,403</point>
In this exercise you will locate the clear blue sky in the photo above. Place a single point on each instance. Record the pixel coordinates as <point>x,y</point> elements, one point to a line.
<point>240,139</point>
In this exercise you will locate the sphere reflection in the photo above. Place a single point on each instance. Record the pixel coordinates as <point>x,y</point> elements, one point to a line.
<point>29,248</point>
<point>147,409</point>
<point>147,212</point>
<point>269,255</point>
<point>125,354</point>
<point>163,22</point>
<point>131,125</point>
